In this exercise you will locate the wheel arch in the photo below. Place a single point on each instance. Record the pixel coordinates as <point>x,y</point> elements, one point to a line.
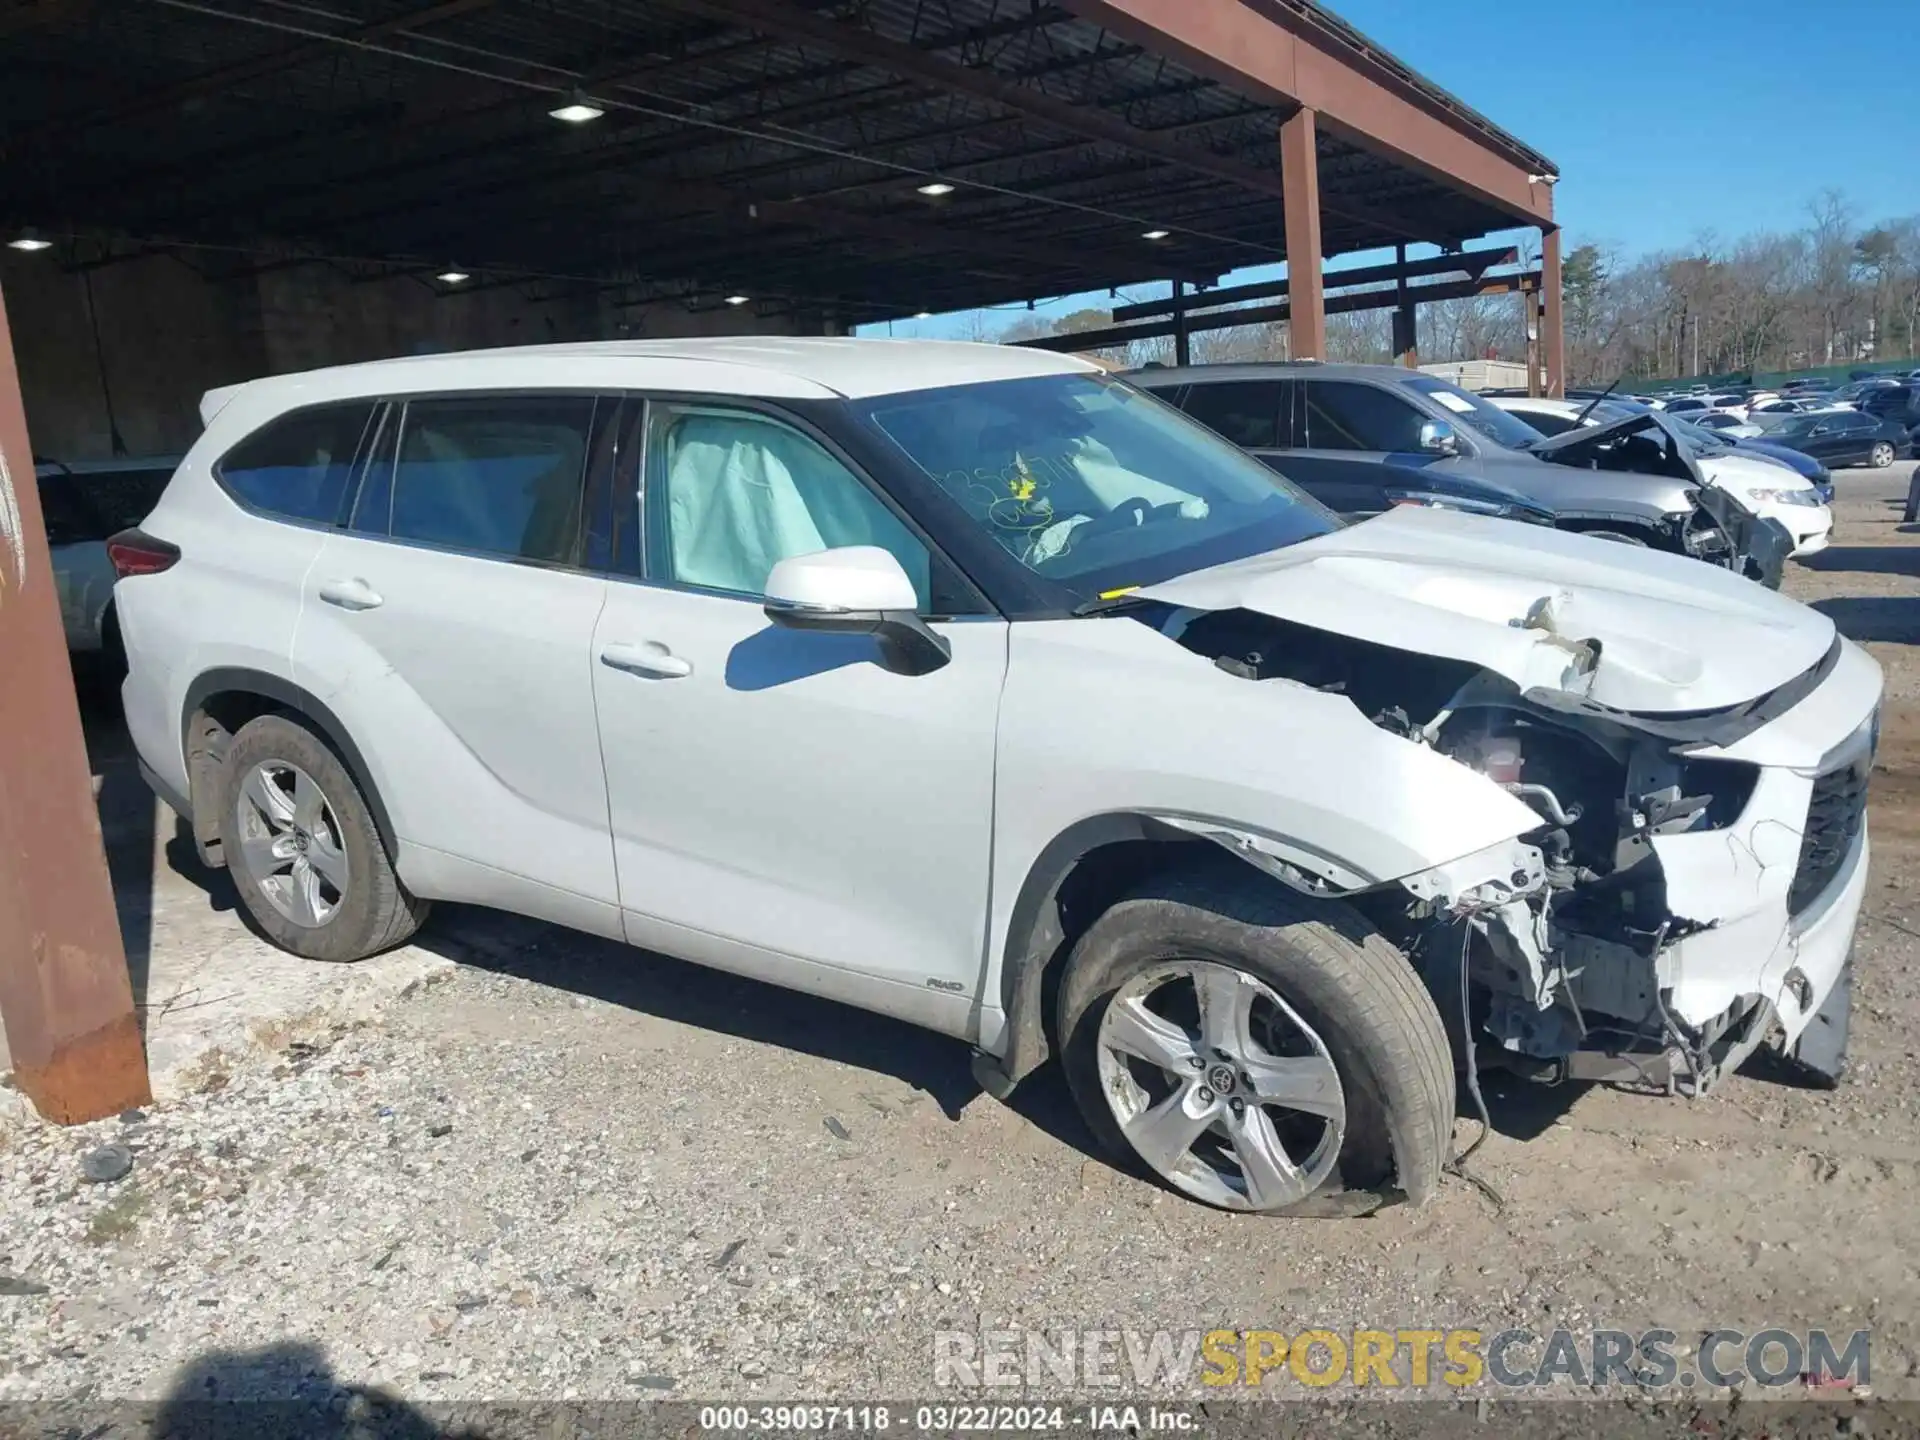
<point>1081,872</point>
<point>223,699</point>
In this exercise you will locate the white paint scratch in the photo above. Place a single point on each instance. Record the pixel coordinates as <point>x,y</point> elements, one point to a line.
<point>12,537</point>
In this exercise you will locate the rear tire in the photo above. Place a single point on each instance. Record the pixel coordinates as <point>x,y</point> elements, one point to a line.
<point>1312,986</point>
<point>303,850</point>
<point>1882,456</point>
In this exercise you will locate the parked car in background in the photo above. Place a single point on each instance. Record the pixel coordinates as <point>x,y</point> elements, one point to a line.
<point>1798,461</point>
<point>1847,437</point>
<point>1720,420</point>
<point>1898,403</point>
<point>1354,435</point>
<point>1688,404</point>
<point>84,502</point>
<point>1764,485</point>
<point>973,687</point>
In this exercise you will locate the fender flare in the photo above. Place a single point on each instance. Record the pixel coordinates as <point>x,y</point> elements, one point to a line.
<point>308,707</point>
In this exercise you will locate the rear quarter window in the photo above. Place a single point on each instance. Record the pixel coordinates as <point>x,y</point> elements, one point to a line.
<point>298,466</point>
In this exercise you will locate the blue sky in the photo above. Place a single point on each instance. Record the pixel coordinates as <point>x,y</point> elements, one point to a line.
<point>1669,118</point>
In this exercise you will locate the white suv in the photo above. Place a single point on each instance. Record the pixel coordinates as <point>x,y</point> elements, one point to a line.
<point>973,686</point>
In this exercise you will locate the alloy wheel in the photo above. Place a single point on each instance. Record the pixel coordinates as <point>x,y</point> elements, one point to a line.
<point>1220,1085</point>
<point>1882,455</point>
<point>290,843</point>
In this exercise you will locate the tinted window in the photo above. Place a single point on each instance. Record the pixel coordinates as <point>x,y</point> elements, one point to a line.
<point>1346,416</point>
<point>300,464</point>
<point>730,494</point>
<point>1247,412</point>
<point>500,475</point>
<point>1464,407</point>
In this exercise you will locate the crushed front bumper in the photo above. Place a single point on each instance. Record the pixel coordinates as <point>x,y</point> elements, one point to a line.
<point>1768,905</point>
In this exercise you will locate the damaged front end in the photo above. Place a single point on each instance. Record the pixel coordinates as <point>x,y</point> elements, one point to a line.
<point>1690,891</point>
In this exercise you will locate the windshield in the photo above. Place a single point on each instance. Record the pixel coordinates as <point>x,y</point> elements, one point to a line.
<point>1489,419</point>
<point>1093,484</point>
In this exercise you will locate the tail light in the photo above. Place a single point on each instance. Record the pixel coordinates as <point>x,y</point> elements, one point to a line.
<point>134,552</point>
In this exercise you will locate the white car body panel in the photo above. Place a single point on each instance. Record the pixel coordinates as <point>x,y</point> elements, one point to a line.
<point>1674,634</point>
<point>1749,476</point>
<point>446,668</point>
<point>788,799</point>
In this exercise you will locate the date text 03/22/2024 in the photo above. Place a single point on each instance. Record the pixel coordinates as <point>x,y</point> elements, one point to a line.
<point>946,1419</point>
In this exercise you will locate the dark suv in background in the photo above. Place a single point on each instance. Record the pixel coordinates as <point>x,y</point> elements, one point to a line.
<point>1898,403</point>
<point>1359,438</point>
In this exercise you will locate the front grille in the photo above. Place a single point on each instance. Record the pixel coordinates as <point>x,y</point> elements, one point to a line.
<point>1834,817</point>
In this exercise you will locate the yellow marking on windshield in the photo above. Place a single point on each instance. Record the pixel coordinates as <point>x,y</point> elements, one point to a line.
<point>1116,594</point>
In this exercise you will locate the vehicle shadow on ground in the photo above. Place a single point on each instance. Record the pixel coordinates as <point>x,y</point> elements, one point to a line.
<point>1866,560</point>
<point>658,985</point>
<point>1893,619</point>
<point>286,1391</point>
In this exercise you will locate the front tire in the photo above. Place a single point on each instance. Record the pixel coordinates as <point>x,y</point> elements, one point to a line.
<point>1257,1050</point>
<point>1882,456</point>
<point>304,852</point>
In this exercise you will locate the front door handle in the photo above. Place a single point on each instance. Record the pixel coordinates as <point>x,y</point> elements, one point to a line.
<point>352,593</point>
<point>652,658</point>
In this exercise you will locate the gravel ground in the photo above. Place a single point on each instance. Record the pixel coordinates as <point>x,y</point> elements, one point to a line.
<point>569,1170</point>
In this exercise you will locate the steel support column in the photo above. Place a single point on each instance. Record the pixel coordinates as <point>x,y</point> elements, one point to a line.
<point>1553,335</point>
<point>1300,177</point>
<point>1182,350</point>
<point>1406,333</point>
<point>65,999</point>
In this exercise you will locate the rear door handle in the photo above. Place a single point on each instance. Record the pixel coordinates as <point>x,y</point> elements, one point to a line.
<point>652,658</point>
<point>350,594</point>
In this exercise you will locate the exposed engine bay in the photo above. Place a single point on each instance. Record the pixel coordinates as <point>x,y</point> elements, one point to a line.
<point>1646,930</point>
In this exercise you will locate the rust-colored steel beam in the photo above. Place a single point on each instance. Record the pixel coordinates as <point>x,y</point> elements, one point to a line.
<point>65,998</point>
<point>1300,170</point>
<point>1553,334</point>
<point>1406,320</point>
<point>1282,51</point>
<point>782,18</point>
<point>1472,263</point>
<point>1525,281</point>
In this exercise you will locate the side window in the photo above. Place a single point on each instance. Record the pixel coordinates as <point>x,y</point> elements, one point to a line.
<point>299,465</point>
<point>730,493</point>
<point>1247,412</point>
<point>498,475</point>
<point>1347,416</point>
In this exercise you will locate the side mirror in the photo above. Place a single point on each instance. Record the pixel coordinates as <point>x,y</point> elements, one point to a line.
<point>1438,438</point>
<point>856,590</point>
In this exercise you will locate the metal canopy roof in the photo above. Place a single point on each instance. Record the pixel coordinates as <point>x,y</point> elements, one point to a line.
<point>772,148</point>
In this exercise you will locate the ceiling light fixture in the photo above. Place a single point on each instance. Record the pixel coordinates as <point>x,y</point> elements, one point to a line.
<point>936,187</point>
<point>30,240</point>
<point>923,314</point>
<point>1155,234</point>
<point>453,277</point>
<point>739,299</point>
<point>578,110</point>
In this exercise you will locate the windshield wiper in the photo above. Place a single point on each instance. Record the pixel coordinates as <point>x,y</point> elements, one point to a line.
<point>1580,419</point>
<point>1110,604</point>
